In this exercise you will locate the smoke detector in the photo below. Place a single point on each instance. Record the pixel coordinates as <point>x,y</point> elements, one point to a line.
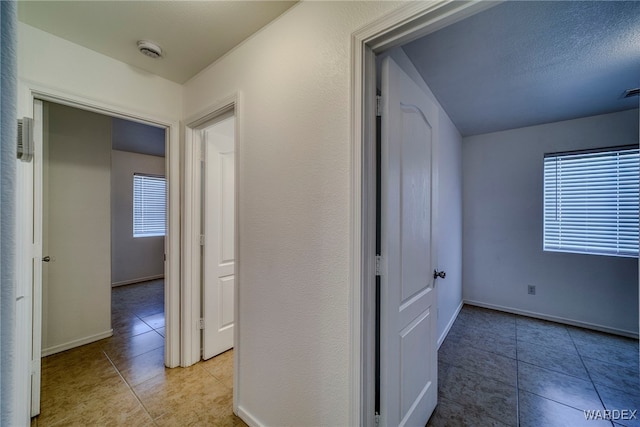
<point>150,49</point>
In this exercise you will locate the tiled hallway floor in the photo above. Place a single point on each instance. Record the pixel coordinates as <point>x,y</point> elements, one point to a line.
<point>498,369</point>
<point>122,381</point>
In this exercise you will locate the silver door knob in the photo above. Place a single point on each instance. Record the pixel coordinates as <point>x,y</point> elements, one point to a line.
<point>440,274</point>
<point>46,259</point>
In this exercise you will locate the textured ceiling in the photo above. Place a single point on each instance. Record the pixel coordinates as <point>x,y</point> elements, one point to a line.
<point>193,34</point>
<point>524,63</point>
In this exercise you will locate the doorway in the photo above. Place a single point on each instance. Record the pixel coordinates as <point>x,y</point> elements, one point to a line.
<point>73,187</point>
<point>104,206</point>
<point>374,42</point>
<point>211,259</point>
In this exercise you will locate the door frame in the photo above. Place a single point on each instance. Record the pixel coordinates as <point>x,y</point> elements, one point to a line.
<point>400,26</point>
<point>29,237</point>
<point>191,259</point>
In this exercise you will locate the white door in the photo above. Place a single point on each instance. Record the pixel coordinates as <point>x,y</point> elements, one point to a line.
<point>219,234</point>
<point>39,269</point>
<point>408,297</point>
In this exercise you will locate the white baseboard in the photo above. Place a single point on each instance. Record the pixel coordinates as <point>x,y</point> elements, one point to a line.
<point>76,343</point>
<point>138,280</point>
<point>449,325</point>
<point>586,325</point>
<point>249,419</point>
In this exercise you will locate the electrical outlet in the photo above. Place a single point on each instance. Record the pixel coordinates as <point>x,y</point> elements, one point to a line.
<point>531,290</point>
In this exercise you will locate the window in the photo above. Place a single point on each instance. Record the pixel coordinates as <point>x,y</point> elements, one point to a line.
<point>591,202</point>
<point>149,205</point>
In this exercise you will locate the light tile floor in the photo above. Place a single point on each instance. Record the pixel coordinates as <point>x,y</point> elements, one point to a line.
<point>499,369</point>
<point>122,381</point>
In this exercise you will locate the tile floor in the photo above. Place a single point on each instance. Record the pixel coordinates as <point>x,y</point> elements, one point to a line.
<point>498,369</point>
<point>122,381</point>
<point>495,369</point>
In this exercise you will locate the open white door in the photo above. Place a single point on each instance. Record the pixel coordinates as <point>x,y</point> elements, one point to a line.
<point>219,234</point>
<point>408,298</point>
<point>36,337</point>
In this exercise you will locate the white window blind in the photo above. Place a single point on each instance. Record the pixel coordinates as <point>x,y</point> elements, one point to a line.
<point>149,205</point>
<point>591,202</point>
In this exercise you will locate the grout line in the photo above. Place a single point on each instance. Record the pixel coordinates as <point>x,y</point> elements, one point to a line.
<point>593,384</point>
<point>130,387</point>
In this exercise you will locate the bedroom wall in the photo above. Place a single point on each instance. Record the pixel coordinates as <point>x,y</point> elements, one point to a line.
<point>502,250</point>
<point>132,259</point>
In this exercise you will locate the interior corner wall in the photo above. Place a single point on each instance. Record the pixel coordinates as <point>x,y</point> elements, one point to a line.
<point>294,178</point>
<point>132,259</point>
<point>503,227</point>
<point>448,230</point>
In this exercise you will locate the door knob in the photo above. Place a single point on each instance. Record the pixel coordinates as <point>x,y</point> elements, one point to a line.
<point>46,259</point>
<point>440,274</point>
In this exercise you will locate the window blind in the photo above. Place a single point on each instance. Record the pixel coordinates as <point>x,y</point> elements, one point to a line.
<point>149,205</point>
<point>591,202</point>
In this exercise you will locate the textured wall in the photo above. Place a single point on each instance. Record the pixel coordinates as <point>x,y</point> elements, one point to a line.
<point>294,177</point>
<point>57,64</point>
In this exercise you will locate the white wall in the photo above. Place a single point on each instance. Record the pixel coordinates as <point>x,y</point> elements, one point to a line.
<point>293,200</point>
<point>502,198</point>
<point>52,63</point>
<point>132,259</point>
<point>77,282</point>
<point>448,230</point>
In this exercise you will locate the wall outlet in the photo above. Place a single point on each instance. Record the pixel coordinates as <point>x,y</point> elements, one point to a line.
<point>531,290</point>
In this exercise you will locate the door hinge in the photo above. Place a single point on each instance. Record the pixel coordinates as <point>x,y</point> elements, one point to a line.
<point>377,418</point>
<point>378,261</point>
<point>202,240</point>
<point>378,106</point>
<point>201,324</point>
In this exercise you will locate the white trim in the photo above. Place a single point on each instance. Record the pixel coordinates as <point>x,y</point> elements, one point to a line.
<point>190,331</point>
<point>191,233</point>
<point>400,26</point>
<point>48,93</point>
<point>557,319</point>
<point>138,280</point>
<point>191,211</point>
<point>76,343</point>
<point>447,328</point>
<point>248,418</point>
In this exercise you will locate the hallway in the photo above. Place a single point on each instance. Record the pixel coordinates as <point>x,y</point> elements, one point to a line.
<point>122,380</point>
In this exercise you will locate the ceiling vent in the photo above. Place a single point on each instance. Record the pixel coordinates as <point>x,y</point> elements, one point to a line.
<point>150,49</point>
<point>629,93</point>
